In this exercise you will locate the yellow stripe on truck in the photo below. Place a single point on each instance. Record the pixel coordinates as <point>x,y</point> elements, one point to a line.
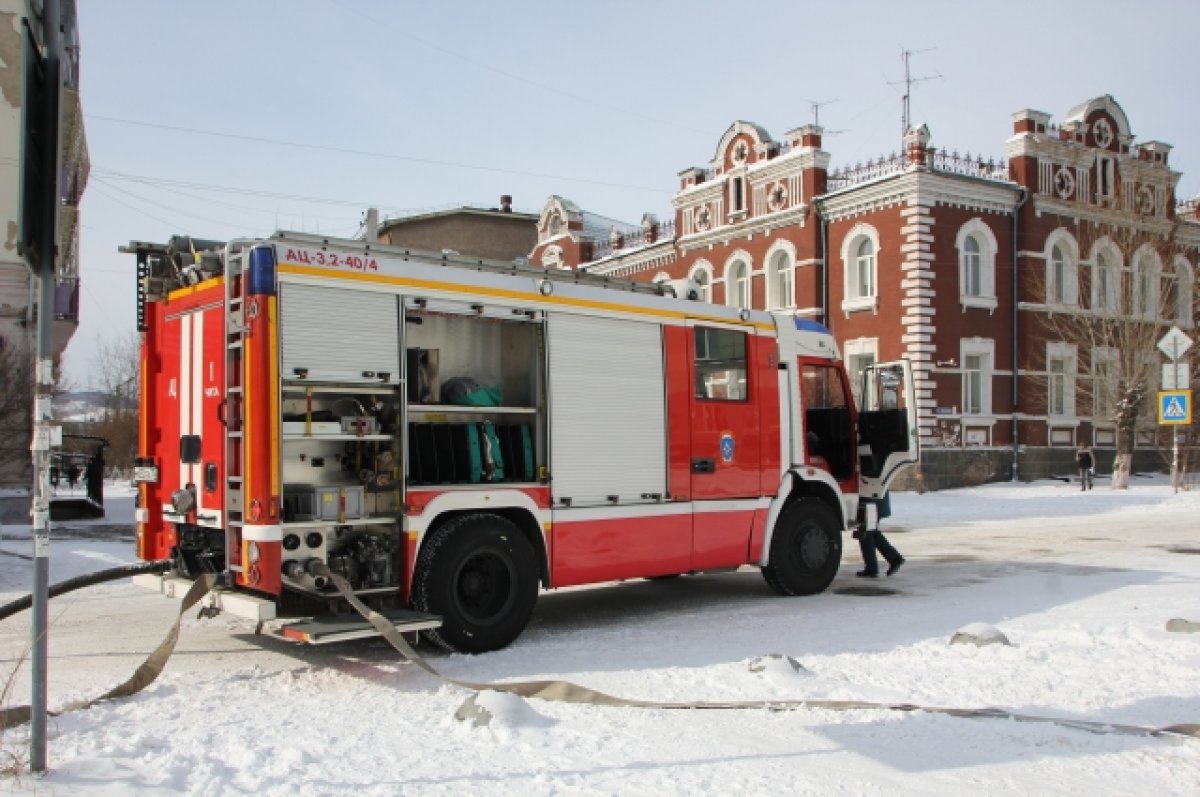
<point>525,297</point>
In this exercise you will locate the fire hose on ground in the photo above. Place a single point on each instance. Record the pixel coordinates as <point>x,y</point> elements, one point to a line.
<point>552,690</point>
<point>148,670</point>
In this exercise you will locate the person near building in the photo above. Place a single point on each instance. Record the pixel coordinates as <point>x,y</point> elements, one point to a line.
<point>871,539</point>
<point>1086,464</point>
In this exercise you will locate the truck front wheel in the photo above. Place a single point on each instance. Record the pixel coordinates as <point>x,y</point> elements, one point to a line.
<point>806,549</point>
<point>480,574</point>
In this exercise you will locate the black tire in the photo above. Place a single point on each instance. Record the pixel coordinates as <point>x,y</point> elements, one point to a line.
<point>480,574</point>
<point>806,549</point>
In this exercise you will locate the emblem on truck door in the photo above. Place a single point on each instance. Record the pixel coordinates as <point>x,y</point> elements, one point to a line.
<point>727,447</point>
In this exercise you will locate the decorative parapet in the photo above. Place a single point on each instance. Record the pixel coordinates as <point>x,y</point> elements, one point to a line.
<point>936,160</point>
<point>634,239</point>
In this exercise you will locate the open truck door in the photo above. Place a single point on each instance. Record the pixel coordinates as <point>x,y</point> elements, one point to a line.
<point>888,438</point>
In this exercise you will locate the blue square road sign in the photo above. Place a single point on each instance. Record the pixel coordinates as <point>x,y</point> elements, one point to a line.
<point>1174,407</point>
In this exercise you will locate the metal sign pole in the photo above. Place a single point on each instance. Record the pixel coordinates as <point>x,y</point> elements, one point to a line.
<point>1175,429</point>
<point>47,247</point>
<point>1174,345</point>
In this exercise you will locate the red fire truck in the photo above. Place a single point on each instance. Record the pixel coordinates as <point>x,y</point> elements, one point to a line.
<point>451,436</point>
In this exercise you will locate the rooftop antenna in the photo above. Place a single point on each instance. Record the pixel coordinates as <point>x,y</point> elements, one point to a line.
<point>816,106</point>
<point>908,82</point>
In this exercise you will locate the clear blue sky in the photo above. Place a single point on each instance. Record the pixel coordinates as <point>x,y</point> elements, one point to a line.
<point>233,118</point>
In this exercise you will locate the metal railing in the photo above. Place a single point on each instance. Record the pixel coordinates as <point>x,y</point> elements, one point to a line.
<point>938,160</point>
<point>664,231</point>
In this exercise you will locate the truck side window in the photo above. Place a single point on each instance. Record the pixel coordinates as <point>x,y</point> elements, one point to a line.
<point>720,364</point>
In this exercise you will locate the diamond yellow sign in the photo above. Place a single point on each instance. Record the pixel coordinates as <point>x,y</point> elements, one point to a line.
<point>1174,407</point>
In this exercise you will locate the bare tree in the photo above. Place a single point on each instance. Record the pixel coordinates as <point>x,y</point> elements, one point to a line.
<point>1112,313</point>
<point>118,365</point>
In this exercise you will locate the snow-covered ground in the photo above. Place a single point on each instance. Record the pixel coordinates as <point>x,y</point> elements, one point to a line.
<point>1081,583</point>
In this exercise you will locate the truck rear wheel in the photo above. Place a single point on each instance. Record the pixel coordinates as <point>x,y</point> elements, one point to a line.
<point>480,574</point>
<point>806,549</point>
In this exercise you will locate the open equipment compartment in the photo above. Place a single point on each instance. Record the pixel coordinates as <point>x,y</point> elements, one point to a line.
<point>476,406</point>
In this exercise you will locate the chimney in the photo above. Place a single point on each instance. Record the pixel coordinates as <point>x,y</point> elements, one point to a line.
<point>372,225</point>
<point>506,203</point>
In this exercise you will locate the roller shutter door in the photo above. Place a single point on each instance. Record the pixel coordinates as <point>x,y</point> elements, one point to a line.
<point>607,410</point>
<point>338,335</point>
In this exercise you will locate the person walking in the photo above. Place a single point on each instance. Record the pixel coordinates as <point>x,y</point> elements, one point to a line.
<point>871,540</point>
<point>1086,464</point>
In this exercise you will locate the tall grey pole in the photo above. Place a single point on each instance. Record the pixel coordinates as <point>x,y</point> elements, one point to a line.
<point>1175,475</point>
<point>47,247</point>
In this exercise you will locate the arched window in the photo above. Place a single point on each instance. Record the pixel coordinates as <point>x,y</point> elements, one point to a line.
<point>737,284</point>
<point>860,264</point>
<point>1062,270</point>
<point>1146,289</point>
<point>1184,286</point>
<point>972,264</point>
<point>701,274</point>
<point>864,269</point>
<point>1106,278</point>
<point>1056,290</point>
<point>781,277</point>
<point>976,265</point>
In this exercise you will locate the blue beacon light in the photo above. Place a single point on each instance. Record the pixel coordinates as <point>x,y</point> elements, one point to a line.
<point>261,273</point>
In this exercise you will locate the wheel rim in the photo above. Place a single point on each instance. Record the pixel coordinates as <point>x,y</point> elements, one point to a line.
<point>483,586</point>
<point>814,547</point>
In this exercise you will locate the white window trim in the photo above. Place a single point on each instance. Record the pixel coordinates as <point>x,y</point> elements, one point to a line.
<point>1185,309</point>
<point>1070,287</point>
<point>788,249</point>
<point>706,284</point>
<point>1057,350</point>
<point>985,347</point>
<point>850,270</point>
<point>987,265</point>
<point>737,177</point>
<point>858,347</point>
<point>742,257</point>
<point>1106,246</point>
<point>1142,306</point>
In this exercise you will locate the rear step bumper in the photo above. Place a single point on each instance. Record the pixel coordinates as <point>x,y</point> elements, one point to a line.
<point>324,630</point>
<point>318,631</point>
<point>239,604</point>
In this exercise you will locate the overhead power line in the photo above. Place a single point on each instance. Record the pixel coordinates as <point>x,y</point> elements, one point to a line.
<point>367,154</point>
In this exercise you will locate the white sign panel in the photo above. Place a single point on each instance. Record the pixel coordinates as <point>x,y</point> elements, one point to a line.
<point>1175,376</point>
<point>1175,343</point>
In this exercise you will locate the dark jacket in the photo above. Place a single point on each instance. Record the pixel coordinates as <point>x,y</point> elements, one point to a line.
<point>1083,458</point>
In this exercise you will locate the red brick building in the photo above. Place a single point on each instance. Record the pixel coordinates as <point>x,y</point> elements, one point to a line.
<point>950,261</point>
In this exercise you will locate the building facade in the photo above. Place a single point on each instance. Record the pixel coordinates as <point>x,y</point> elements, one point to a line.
<point>981,273</point>
<point>496,233</point>
<point>20,29</point>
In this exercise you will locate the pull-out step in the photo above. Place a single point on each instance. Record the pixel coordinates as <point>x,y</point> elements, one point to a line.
<point>324,630</point>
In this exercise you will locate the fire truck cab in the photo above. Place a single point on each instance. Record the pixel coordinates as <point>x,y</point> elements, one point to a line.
<point>451,436</point>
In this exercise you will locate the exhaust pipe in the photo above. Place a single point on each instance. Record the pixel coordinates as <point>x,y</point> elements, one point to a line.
<point>305,573</point>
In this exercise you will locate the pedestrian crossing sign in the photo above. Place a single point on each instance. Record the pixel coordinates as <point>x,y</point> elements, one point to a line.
<point>1174,407</point>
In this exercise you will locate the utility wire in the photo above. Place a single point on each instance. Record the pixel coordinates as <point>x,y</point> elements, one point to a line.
<point>368,154</point>
<point>208,219</point>
<point>227,189</point>
<point>165,185</point>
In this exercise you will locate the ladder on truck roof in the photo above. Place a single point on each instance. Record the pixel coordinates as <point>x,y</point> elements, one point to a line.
<point>162,256</point>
